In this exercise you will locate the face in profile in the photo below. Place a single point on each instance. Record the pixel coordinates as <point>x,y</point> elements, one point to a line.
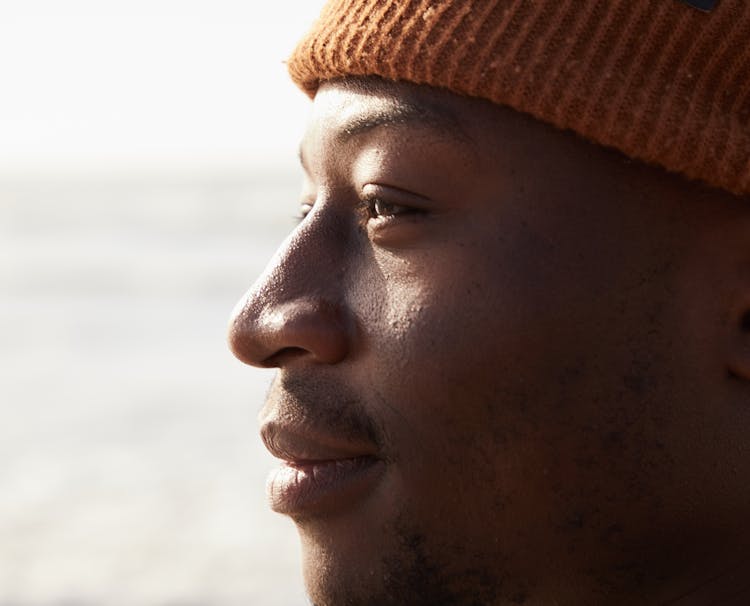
<point>508,371</point>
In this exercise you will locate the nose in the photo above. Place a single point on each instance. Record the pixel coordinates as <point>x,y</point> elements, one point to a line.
<point>296,309</point>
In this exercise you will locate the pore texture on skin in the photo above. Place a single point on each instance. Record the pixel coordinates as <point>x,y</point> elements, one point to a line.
<point>523,339</point>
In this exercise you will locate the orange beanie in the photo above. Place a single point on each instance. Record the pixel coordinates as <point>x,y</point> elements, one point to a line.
<point>657,79</point>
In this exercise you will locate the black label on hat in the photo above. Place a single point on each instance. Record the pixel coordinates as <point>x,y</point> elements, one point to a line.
<point>702,5</point>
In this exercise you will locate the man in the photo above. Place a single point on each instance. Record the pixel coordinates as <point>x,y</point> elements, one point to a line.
<point>512,327</point>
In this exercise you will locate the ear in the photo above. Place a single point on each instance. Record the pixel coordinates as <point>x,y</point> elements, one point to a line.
<point>739,354</point>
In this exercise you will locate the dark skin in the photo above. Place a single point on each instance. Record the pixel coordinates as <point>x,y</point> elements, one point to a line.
<point>545,345</point>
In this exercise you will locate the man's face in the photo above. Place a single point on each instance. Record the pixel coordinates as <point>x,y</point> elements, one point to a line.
<point>497,360</point>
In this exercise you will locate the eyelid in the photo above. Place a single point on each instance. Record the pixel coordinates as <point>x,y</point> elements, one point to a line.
<point>307,196</point>
<point>395,196</point>
<point>393,188</point>
<point>305,208</point>
<point>379,209</point>
<point>385,206</point>
<point>307,199</point>
<point>399,201</point>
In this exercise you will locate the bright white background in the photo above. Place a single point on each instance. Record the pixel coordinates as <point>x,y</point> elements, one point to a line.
<point>147,172</point>
<point>99,84</point>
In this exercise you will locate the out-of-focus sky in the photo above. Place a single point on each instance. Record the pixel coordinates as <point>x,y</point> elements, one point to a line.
<point>112,85</point>
<point>147,174</point>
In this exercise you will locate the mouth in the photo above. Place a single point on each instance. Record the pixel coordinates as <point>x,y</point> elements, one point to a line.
<point>299,488</point>
<point>319,474</point>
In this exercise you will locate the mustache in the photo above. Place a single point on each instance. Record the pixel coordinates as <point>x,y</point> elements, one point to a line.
<point>308,400</point>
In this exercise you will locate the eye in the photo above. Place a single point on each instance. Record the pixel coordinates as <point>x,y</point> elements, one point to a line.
<point>378,208</point>
<point>304,209</point>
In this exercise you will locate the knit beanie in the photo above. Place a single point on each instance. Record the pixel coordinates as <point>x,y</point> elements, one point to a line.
<point>660,80</point>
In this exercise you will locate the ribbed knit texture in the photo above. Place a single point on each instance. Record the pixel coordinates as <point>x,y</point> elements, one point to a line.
<point>656,79</point>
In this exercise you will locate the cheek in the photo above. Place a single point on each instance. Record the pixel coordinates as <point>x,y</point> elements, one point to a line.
<point>432,313</point>
<point>442,348</point>
<point>443,383</point>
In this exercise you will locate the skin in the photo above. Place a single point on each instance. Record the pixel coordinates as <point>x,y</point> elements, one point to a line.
<point>548,344</point>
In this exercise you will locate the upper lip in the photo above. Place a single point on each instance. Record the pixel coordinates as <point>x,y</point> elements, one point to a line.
<point>297,443</point>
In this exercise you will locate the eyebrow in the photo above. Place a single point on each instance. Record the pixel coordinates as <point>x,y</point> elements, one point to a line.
<point>439,121</point>
<point>403,112</point>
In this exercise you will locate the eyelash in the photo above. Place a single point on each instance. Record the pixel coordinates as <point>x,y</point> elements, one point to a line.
<point>304,210</point>
<point>374,207</point>
<point>377,208</point>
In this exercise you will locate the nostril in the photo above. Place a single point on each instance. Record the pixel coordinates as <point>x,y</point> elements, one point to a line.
<point>745,322</point>
<point>279,334</point>
<point>284,356</point>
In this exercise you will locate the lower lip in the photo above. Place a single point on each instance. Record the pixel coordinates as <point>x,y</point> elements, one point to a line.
<point>322,486</point>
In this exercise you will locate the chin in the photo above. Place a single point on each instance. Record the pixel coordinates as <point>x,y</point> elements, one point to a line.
<point>363,561</point>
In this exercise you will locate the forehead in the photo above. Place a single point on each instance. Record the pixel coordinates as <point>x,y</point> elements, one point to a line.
<point>392,103</point>
<point>345,110</point>
<point>429,122</point>
<point>351,110</point>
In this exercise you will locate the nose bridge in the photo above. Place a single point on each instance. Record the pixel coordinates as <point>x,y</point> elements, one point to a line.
<point>297,307</point>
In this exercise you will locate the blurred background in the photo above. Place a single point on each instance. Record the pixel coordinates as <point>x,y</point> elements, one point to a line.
<point>147,173</point>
